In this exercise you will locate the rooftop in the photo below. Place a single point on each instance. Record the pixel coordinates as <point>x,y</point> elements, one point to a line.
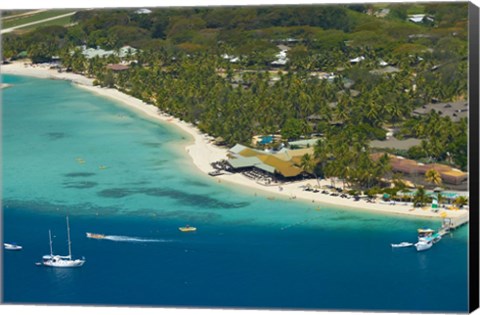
<point>455,110</point>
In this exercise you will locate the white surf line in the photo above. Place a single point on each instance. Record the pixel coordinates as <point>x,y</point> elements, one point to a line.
<point>8,30</point>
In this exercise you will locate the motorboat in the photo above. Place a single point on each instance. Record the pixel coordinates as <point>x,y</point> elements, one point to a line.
<point>95,236</point>
<point>424,245</point>
<point>426,234</point>
<point>58,261</point>
<point>187,228</point>
<point>12,246</point>
<point>402,244</point>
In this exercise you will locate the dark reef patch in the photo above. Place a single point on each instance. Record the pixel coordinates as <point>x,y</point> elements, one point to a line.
<point>59,207</point>
<point>152,144</point>
<point>116,192</point>
<point>159,162</point>
<point>180,196</point>
<point>196,183</point>
<point>179,214</point>
<point>80,185</point>
<point>55,135</point>
<point>79,174</point>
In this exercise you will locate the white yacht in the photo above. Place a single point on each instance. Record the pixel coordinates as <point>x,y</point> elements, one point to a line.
<point>59,261</point>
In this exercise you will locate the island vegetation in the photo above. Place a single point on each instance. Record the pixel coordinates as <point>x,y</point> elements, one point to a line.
<point>215,68</point>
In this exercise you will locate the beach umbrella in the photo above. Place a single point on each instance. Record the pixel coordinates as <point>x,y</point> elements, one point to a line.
<point>438,189</point>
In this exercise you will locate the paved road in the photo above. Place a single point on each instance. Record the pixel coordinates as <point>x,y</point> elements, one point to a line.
<point>22,14</point>
<point>8,30</point>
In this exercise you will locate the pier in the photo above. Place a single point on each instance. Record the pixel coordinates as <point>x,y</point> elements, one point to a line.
<point>450,224</point>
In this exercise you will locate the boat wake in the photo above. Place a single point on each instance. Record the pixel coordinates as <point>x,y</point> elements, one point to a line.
<point>118,238</point>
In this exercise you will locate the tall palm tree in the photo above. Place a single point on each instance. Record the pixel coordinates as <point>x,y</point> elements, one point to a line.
<point>433,176</point>
<point>308,165</point>
<point>461,201</point>
<point>420,197</point>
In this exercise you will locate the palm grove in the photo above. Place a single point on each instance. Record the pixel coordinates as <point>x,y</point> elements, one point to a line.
<point>180,67</point>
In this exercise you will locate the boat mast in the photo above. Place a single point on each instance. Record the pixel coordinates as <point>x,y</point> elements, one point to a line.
<point>50,238</point>
<point>69,243</point>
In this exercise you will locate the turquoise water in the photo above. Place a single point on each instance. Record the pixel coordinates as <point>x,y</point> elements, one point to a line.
<point>66,151</point>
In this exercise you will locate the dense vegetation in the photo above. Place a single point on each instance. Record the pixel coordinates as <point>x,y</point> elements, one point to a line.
<point>181,67</point>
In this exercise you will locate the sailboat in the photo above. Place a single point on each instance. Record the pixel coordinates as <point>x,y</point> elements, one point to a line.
<point>59,261</point>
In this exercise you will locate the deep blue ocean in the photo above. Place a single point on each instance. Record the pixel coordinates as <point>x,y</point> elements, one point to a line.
<point>112,171</point>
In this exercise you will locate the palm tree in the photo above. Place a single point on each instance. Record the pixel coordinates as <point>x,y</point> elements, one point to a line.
<point>420,197</point>
<point>433,176</point>
<point>461,201</point>
<point>308,165</point>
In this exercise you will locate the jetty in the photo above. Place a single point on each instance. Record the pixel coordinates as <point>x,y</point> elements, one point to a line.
<point>450,224</point>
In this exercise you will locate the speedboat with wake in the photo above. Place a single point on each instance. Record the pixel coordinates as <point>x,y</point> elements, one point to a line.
<point>95,236</point>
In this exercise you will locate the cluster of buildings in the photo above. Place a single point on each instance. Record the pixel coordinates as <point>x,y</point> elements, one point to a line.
<point>123,52</point>
<point>285,164</point>
<point>414,169</point>
<point>454,110</point>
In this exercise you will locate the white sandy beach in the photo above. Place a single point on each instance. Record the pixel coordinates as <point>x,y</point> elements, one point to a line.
<point>203,153</point>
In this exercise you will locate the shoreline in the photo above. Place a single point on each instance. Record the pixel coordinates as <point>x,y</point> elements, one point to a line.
<point>202,152</point>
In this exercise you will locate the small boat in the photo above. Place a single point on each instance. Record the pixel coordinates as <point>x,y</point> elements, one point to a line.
<point>424,233</point>
<point>429,234</point>
<point>423,245</point>
<point>402,244</point>
<point>187,228</point>
<point>12,246</point>
<point>58,261</point>
<point>95,236</point>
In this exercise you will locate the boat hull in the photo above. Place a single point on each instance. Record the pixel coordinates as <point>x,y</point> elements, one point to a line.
<point>421,246</point>
<point>58,262</point>
<point>404,244</point>
<point>12,247</point>
<point>95,236</point>
<point>187,229</point>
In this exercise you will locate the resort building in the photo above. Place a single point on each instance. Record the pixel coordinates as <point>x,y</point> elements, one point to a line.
<point>123,52</point>
<point>419,18</point>
<point>417,170</point>
<point>280,165</point>
<point>143,11</point>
